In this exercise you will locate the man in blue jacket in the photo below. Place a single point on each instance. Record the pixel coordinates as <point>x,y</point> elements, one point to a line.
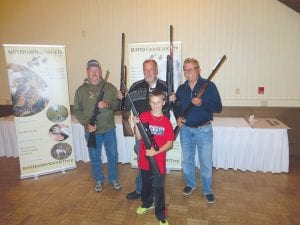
<point>196,129</point>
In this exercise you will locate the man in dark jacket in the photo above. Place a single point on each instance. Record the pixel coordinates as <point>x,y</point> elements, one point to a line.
<point>139,92</point>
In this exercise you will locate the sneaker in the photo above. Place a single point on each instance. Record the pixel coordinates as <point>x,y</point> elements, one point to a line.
<point>116,185</point>
<point>98,187</point>
<point>141,210</point>
<point>133,195</point>
<point>210,198</point>
<point>188,190</point>
<point>163,222</point>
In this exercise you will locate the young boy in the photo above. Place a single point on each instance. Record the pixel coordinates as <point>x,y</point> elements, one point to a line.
<point>161,127</point>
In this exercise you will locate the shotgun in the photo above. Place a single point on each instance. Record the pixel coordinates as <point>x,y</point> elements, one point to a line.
<point>92,136</point>
<point>147,136</point>
<point>127,131</point>
<point>170,73</point>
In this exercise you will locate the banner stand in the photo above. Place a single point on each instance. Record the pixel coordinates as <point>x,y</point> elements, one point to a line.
<point>38,82</point>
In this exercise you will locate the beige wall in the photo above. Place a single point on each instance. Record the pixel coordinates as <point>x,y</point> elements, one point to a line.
<point>259,37</point>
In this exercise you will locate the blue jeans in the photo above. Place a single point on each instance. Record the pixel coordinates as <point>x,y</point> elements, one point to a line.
<point>202,139</point>
<point>138,179</point>
<point>110,143</point>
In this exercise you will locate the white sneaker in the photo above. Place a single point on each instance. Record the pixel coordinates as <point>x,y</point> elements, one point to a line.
<point>98,187</point>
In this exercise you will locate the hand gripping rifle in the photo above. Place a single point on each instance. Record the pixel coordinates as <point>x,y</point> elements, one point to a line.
<point>170,72</point>
<point>147,136</point>
<point>92,137</point>
<point>200,92</point>
<point>127,131</point>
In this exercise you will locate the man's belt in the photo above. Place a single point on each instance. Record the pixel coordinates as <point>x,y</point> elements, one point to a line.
<point>201,125</point>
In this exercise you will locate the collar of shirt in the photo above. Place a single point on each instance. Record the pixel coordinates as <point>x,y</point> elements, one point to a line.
<point>152,86</point>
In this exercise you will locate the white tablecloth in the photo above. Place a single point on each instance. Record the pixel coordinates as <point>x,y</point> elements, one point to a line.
<point>8,139</point>
<point>235,145</point>
<point>125,144</point>
<point>238,146</point>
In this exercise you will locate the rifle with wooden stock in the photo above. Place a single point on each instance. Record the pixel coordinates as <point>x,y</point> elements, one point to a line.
<point>127,131</point>
<point>170,73</point>
<point>200,92</point>
<point>92,136</point>
<point>147,136</point>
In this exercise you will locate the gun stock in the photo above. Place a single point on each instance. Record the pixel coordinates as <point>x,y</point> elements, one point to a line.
<point>200,92</point>
<point>127,130</point>
<point>92,136</point>
<point>147,137</point>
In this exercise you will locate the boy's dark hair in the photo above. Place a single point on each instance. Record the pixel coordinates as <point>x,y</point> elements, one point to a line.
<point>158,93</point>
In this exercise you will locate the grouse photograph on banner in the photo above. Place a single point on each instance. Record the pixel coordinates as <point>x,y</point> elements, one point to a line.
<point>38,84</point>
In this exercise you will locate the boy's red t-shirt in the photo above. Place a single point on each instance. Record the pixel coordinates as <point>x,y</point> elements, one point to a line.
<point>162,130</point>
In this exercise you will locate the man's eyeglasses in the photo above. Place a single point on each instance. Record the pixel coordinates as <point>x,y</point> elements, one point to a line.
<point>189,70</point>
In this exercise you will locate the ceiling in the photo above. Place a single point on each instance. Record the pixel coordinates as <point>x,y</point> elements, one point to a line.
<point>293,4</point>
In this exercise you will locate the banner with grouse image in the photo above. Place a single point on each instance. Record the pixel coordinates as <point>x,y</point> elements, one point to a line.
<point>39,90</point>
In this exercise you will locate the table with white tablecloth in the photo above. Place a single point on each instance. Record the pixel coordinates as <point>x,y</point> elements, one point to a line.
<point>236,145</point>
